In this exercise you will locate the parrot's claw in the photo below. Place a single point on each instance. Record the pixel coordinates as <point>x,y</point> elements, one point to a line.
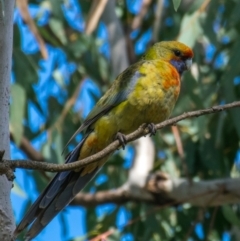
<point>152,129</point>
<point>122,139</point>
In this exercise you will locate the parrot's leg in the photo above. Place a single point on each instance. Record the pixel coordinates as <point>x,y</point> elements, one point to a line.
<point>122,139</point>
<point>152,129</point>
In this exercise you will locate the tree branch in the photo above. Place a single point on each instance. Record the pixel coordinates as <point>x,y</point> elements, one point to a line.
<point>169,191</point>
<point>26,146</point>
<point>96,10</point>
<point>141,131</point>
<point>23,9</point>
<point>137,21</point>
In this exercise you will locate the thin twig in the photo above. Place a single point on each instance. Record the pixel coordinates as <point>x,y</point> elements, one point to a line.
<point>67,106</point>
<point>193,224</point>
<point>181,153</point>
<point>23,9</point>
<point>137,21</point>
<point>200,215</point>
<point>96,10</point>
<point>212,221</point>
<point>103,236</point>
<point>26,146</point>
<point>141,131</point>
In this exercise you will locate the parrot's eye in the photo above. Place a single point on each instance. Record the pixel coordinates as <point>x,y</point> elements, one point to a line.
<point>177,53</point>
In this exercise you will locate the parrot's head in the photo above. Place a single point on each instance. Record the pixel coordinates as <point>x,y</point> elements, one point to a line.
<point>178,54</point>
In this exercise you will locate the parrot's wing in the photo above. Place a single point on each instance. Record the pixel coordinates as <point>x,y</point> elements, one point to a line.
<point>118,92</point>
<point>59,192</point>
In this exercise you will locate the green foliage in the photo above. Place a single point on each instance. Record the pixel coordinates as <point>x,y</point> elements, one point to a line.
<point>231,216</point>
<point>176,4</point>
<point>210,142</point>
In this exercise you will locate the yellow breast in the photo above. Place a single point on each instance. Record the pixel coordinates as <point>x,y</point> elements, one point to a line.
<point>152,101</point>
<point>153,98</point>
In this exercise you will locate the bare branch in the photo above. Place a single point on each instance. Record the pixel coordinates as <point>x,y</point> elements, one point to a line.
<point>103,236</point>
<point>96,10</point>
<point>26,146</point>
<point>28,149</point>
<point>197,219</point>
<point>168,191</point>
<point>67,106</point>
<point>23,8</point>
<point>181,153</point>
<point>137,21</point>
<point>212,222</point>
<point>141,131</point>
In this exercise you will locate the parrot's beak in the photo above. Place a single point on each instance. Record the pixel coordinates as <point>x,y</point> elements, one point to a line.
<point>188,63</point>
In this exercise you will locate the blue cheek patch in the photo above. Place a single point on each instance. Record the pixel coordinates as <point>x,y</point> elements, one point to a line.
<point>179,65</point>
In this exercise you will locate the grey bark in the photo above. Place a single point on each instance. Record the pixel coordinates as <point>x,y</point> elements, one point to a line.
<point>165,191</point>
<point>6,39</point>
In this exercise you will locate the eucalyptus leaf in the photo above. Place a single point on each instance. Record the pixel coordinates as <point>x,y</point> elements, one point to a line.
<point>191,29</point>
<point>230,215</point>
<point>176,4</point>
<point>58,28</point>
<point>17,111</point>
<point>58,76</point>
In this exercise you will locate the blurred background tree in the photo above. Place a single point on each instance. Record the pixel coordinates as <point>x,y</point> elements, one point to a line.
<point>67,53</point>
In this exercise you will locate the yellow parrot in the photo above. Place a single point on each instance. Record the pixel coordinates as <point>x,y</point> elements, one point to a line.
<point>145,92</point>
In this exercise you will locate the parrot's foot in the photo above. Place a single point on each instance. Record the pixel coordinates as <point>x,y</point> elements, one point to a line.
<point>122,139</point>
<point>152,129</point>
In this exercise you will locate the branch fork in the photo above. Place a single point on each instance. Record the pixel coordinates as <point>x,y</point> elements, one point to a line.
<point>5,168</point>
